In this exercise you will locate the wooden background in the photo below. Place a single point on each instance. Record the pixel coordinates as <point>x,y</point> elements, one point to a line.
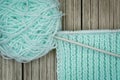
<point>79,15</point>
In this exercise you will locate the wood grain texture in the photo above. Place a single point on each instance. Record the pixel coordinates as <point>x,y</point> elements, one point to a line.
<point>116,13</point>
<point>41,69</point>
<point>86,14</point>
<point>72,18</point>
<point>79,15</point>
<point>104,13</point>
<point>94,12</point>
<point>0,68</point>
<point>11,70</point>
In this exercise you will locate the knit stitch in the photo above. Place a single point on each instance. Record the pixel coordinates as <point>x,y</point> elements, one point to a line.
<point>78,63</point>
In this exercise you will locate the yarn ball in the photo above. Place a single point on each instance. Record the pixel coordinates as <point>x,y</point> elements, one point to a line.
<point>27,28</point>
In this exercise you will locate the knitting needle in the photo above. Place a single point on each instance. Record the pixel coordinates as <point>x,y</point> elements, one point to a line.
<point>87,46</point>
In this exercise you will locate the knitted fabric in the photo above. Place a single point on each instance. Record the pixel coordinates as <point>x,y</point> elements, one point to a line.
<point>79,63</point>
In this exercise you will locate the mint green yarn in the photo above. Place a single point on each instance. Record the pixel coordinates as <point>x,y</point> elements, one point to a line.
<point>79,63</point>
<point>27,28</point>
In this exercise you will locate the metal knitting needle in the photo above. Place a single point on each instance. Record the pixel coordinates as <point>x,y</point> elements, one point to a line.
<point>87,46</point>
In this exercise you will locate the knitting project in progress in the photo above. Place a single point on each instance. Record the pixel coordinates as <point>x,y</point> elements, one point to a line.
<point>79,63</point>
<point>29,29</point>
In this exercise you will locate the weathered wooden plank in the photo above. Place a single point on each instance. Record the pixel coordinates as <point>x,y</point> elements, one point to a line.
<point>104,13</point>
<point>35,70</point>
<point>94,14</point>
<point>77,14</point>
<point>63,9</point>
<point>69,15</point>
<point>116,13</point>
<point>90,14</point>
<point>0,68</point>
<point>11,70</point>
<point>72,18</point>
<point>86,14</point>
<point>51,69</point>
<point>42,69</point>
<point>111,14</point>
<point>17,71</point>
<point>27,74</point>
<point>55,61</point>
